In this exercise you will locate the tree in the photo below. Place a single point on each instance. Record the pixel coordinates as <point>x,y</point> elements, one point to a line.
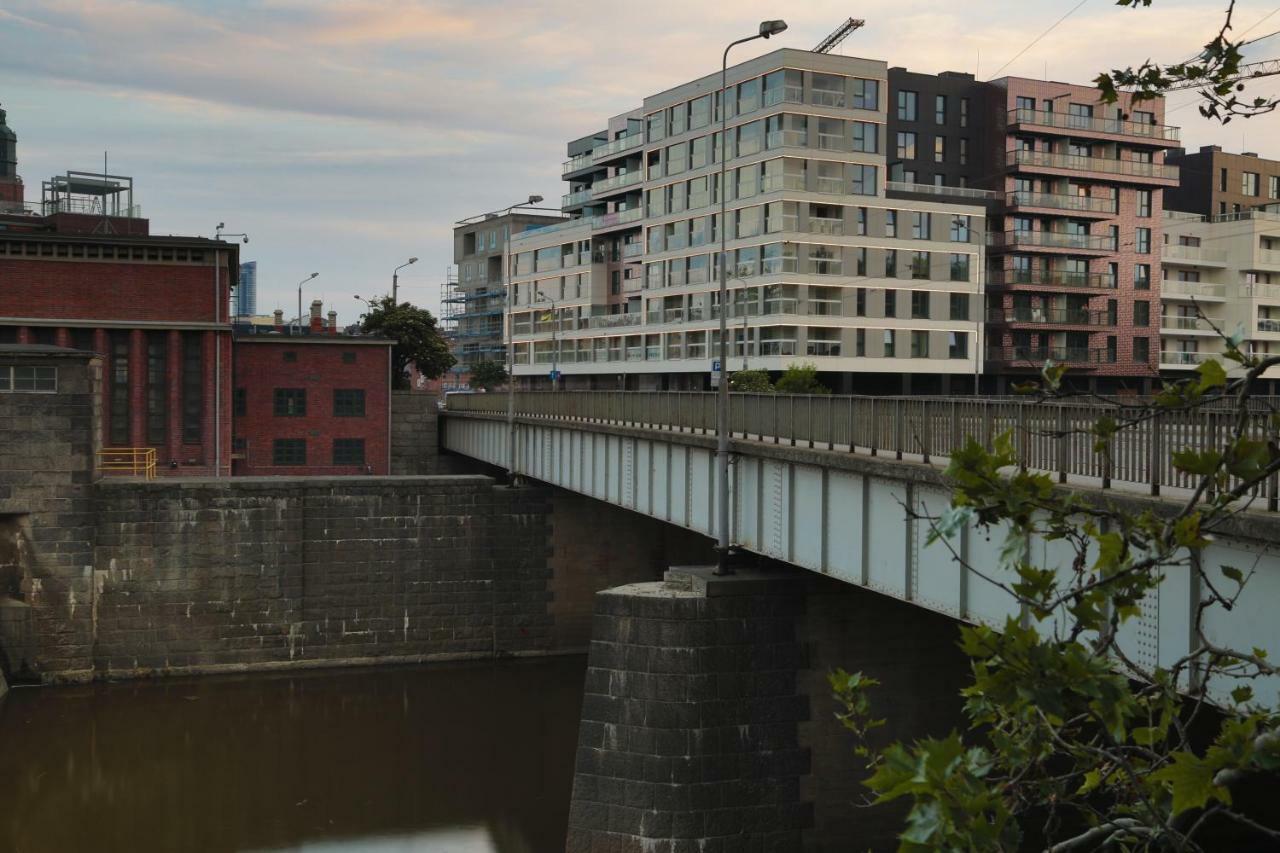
<point>1215,71</point>
<point>800,379</point>
<point>488,374</point>
<point>751,382</point>
<point>1073,743</point>
<point>417,338</point>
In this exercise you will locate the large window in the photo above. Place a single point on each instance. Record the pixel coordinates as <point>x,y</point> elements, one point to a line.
<point>906,145</point>
<point>1142,313</point>
<point>1144,203</point>
<point>920,265</point>
<point>958,345</point>
<point>939,109</point>
<point>29,380</point>
<point>1142,240</point>
<point>866,137</point>
<point>289,451</point>
<point>157,387</point>
<point>939,149</point>
<point>959,306</point>
<point>240,402</point>
<point>1142,276</point>
<point>891,263</point>
<point>959,229</point>
<point>192,388</point>
<point>907,105</point>
<point>865,180</point>
<point>348,402</point>
<point>919,344</point>
<point>960,267</point>
<point>290,402</point>
<point>921,223</point>
<point>118,369</point>
<point>1249,183</point>
<point>866,94</point>
<point>348,451</point>
<point>920,305</point>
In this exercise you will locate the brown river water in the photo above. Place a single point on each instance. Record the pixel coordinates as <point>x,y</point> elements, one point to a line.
<point>443,758</point>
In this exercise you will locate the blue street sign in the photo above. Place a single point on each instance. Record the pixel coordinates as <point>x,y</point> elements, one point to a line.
<point>555,374</point>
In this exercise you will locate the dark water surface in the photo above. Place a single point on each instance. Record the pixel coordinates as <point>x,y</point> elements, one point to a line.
<point>445,758</point>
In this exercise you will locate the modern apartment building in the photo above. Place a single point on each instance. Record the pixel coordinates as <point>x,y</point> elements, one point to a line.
<point>824,265</point>
<point>1215,182</point>
<point>1075,222</point>
<point>1220,271</point>
<point>245,298</point>
<point>473,303</point>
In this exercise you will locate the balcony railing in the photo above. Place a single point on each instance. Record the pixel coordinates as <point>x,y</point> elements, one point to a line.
<point>934,189</point>
<point>573,164</point>
<point>618,217</point>
<point>633,250</point>
<point>1053,240</point>
<point>1056,316</point>
<point>1185,357</point>
<point>1173,321</point>
<point>626,179</point>
<point>1054,201</point>
<point>1266,324</point>
<point>787,139</point>
<point>1105,165</point>
<point>617,146</point>
<point>1058,355</point>
<point>1196,289</point>
<point>1194,254</point>
<point>784,94</point>
<point>1053,278</point>
<point>1067,121</point>
<point>1260,291</point>
<point>579,197</point>
<point>1269,257</point>
<point>824,225</point>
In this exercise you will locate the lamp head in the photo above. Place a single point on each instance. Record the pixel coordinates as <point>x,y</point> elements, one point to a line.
<point>534,199</point>
<point>771,28</point>
<point>413,260</point>
<point>246,239</point>
<point>221,225</point>
<point>314,274</point>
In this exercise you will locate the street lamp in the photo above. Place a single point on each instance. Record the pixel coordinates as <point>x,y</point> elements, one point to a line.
<point>304,281</point>
<point>767,29</point>
<point>395,280</point>
<point>555,341</point>
<point>509,303</point>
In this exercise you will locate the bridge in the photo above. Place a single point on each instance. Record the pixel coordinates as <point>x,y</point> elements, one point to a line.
<point>836,485</point>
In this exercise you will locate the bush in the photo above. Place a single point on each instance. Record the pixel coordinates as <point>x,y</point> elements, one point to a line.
<point>801,379</point>
<point>751,382</point>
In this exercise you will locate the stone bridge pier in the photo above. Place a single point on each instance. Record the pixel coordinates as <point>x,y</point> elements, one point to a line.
<point>707,720</point>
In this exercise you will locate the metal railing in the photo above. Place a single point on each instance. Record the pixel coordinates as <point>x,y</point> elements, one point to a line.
<point>1052,278</point>
<point>934,189</point>
<point>1174,252</point>
<point>1069,121</point>
<point>1057,201</point>
<point>1197,289</point>
<point>1062,355</point>
<point>1052,240</point>
<point>1105,165</point>
<point>1049,436</point>
<point>132,461</point>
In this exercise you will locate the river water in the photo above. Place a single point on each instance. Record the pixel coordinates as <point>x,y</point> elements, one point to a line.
<point>445,758</point>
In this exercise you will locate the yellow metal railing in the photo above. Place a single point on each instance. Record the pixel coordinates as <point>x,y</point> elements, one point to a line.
<point>137,461</point>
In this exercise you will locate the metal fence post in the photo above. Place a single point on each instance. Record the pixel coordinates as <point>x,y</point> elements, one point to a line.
<point>853,433</point>
<point>875,427</point>
<point>1021,431</point>
<point>1063,442</point>
<point>1153,454</point>
<point>899,427</point>
<point>926,430</point>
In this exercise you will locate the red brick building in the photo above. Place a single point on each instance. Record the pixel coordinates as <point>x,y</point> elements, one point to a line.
<point>310,401</point>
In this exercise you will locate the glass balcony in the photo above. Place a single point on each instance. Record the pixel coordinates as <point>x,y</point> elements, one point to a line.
<point>1104,165</point>
<point>618,217</point>
<point>1056,316</point>
<point>1174,321</point>
<point>826,225</point>
<point>626,179</point>
<point>1052,201</point>
<point>574,164</point>
<point>576,198</point>
<point>784,95</point>
<point>1192,289</point>
<point>1181,358</point>
<point>617,146</point>
<point>1052,278</point>
<point>787,139</point>
<point>1052,240</point>
<point>1266,324</point>
<point>1058,355</point>
<point>1192,254</point>
<point>1115,126</point>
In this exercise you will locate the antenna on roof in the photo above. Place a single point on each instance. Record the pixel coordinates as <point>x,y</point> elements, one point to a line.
<point>840,34</point>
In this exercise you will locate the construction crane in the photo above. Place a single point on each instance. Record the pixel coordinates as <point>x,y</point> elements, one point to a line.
<point>841,33</point>
<point>1246,72</point>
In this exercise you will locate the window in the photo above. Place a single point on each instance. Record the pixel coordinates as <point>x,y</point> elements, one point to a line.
<point>1222,179</point>
<point>1142,313</point>
<point>866,137</point>
<point>964,112</point>
<point>348,358</point>
<point>906,145</point>
<point>866,94</point>
<point>157,388</point>
<point>959,307</point>
<point>920,305</point>
<point>891,263</point>
<point>240,402</point>
<point>1142,276</point>
<point>290,356</point>
<point>1142,240</point>
<point>920,265</point>
<point>891,223</point>
<point>1248,183</point>
<point>964,152</point>
<point>958,345</point>
<point>29,380</point>
<point>1144,203</point>
<point>960,229</point>
<point>1273,186</point>
<point>1022,102</point>
<point>290,402</point>
<point>118,388</point>
<point>939,109</point>
<point>348,451</point>
<point>861,258</point>
<point>920,225</point>
<point>959,267</point>
<point>192,387</point>
<point>907,105</point>
<point>939,149</point>
<point>891,303</point>
<point>348,402</point>
<point>860,342</point>
<point>862,222</point>
<point>889,343</point>
<point>1142,349</point>
<point>866,180</point>
<point>289,451</point>
<point>860,302</point>
<point>919,344</point>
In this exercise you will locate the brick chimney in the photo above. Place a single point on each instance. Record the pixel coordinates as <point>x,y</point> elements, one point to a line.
<point>333,322</point>
<point>317,324</point>
<point>279,318</point>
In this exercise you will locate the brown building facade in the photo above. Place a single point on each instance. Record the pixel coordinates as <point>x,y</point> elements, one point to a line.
<point>1215,182</point>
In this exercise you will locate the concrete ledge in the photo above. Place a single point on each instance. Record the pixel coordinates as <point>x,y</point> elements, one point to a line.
<point>294,482</point>
<point>703,581</point>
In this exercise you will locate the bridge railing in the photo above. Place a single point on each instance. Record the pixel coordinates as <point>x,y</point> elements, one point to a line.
<point>1052,436</point>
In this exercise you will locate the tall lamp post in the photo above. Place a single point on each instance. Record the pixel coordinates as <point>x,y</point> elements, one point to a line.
<point>511,347</point>
<point>395,281</point>
<point>304,281</point>
<point>555,341</point>
<point>767,29</point>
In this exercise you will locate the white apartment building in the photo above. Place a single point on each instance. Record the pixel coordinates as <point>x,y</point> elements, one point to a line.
<point>885,289</point>
<point>1222,271</point>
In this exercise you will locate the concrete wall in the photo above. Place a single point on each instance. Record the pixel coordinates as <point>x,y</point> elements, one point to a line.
<point>414,433</point>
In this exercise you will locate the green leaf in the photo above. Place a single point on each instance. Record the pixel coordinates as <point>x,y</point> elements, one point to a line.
<point>1234,574</point>
<point>1190,779</point>
<point>924,822</point>
<point>1242,694</point>
<point>1198,462</point>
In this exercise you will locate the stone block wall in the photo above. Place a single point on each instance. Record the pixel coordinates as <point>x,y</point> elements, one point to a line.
<point>253,573</point>
<point>415,444</point>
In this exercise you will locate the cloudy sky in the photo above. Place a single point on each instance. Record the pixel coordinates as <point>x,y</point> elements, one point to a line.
<point>347,135</point>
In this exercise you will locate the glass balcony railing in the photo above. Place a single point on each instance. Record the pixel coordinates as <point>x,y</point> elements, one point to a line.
<point>573,164</point>
<point>1104,165</point>
<point>617,146</point>
<point>1192,254</point>
<point>1193,289</point>
<point>1053,201</point>
<point>1058,355</point>
<point>626,179</point>
<point>1173,321</point>
<point>1053,240</point>
<point>787,139</point>
<point>575,198</point>
<point>784,95</point>
<point>1057,316</point>
<point>1120,127</point>
<point>1053,278</point>
<point>1266,324</point>
<point>1179,357</point>
<point>618,217</point>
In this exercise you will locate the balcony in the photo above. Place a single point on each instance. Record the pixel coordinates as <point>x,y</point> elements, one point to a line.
<point>1193,255</point>
<point>935,190</point>
<point>1192,290</point>
<point>1180,323</point>
<point>1076,125</point>
<point>617,218</point>
<point>787,139</point>
<point>1076,204</point>
<point>609,186</point>
<point>1267,324</point>
<point>581,163</point>
<point>1268,258</point>
<point>633,250</point>
<point>1077,243</point>
<point>1052,279</point>
<point>1058,355</point>
<point>575,199</point>
<point>1048,316</point>
<point>1268,292</point>
<point>1184,359</point>
<point>833,227</point>
<point>617,147</point>
<point>1125,170</point>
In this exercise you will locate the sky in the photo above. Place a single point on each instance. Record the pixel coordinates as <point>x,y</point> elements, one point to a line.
<point>346,136</point>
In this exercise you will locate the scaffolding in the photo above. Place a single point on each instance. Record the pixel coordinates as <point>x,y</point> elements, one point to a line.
<point>90,194</point>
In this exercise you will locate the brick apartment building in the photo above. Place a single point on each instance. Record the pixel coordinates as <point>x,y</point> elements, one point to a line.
<point>79,269</point>
<point>1215,182</point>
